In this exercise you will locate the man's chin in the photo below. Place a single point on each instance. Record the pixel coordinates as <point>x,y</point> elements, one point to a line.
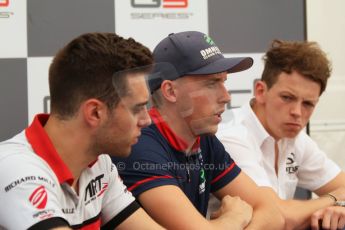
<point>291,134</point>
<point>205,131</point>
<point>123,153</point>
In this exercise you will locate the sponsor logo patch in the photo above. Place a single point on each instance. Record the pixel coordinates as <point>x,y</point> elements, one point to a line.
<point>45,214</point>
<point>39,197</point>
<point>210,52</point>
<point>291,165</point>
<point>94,189</point>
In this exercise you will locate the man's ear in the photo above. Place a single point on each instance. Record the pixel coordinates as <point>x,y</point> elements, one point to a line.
<point>94,112</point>
<point>168,90</point>
<point>260,91</point>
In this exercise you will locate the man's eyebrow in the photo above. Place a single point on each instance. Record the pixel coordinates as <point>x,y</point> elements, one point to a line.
<point>311,99</point>
<point>141,104</point>
<point>289,93</point>
<point>315,100</point>
<point>214,80</point>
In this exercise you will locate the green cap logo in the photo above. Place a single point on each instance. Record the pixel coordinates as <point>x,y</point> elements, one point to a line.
<point>209,40</point>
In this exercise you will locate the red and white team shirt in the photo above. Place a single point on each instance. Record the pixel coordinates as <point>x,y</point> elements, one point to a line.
<point>36,192</point>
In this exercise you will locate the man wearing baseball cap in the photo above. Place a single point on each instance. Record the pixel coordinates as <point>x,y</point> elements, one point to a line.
<point>178,161</point>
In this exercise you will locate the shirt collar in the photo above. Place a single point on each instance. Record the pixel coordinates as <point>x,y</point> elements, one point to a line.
<point>175,141</point>
<point>259,132</point>
<point>44,148</point>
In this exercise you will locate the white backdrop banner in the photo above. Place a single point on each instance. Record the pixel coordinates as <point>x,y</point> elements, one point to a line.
<point>13,37</point>
<point>38,88</point>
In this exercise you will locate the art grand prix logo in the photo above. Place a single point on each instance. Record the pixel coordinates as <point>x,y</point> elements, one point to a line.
<point>4,3</point>
<point>95,188</point>
<point>39,197</point>
<point>159,3</point>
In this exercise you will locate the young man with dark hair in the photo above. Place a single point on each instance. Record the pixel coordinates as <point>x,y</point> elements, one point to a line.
<point>178,162</point>
<point>266,137</point>
<point>53,174</point>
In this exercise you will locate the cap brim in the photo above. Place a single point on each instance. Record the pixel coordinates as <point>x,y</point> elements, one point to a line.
<point>230,65</point>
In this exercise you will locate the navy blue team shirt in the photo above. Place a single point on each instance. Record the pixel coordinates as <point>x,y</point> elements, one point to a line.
<point>158,159</point>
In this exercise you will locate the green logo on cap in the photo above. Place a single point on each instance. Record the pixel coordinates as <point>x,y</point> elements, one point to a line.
<point>209,40</point>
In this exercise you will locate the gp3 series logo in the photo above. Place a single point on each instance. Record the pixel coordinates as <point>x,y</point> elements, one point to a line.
<point>158,3</point>
<point>4,3</point>
<point>5,14</point>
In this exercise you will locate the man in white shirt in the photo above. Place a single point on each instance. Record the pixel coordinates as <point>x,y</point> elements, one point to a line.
<point>266,139</point>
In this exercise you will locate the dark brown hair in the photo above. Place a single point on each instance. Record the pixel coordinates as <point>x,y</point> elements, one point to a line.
<point>85,69</point>
<point>306,58</point>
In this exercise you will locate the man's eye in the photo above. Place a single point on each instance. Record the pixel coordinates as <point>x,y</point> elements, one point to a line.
<point>308,104</point>
<point>286,98</point>
<point>211,84</point>
<point>138,109</point>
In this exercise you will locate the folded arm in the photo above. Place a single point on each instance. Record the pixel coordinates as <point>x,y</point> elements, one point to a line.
<point>170,207</point>
<point>266,214</point>
<point>300,214</point>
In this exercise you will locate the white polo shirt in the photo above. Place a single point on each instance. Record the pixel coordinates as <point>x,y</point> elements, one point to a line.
<point>35,187</point>
<point>301,162</point>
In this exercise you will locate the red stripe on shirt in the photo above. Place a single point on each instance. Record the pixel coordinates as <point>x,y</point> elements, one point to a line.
<point>175,141</point>
<point>147,180</point>
<point>223,173</point>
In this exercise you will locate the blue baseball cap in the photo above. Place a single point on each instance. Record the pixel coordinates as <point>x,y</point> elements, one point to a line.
<point>191,53</point>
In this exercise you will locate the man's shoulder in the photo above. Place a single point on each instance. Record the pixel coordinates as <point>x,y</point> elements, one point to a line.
<point>151,131</point>
<point>17,141</point>
<point>151,146</point>
<point>151,139</point>
<point>303,143</point>
<point>20,164</point>
<point>102,164</point>
<point>16,149</point>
